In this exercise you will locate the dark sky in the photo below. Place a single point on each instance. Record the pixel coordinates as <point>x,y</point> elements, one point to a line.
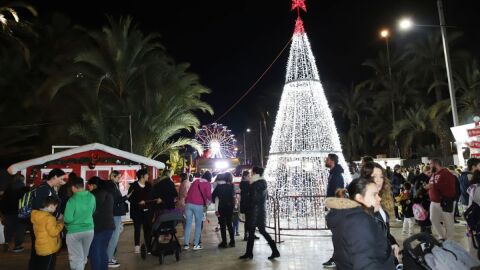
<point>230,43</point>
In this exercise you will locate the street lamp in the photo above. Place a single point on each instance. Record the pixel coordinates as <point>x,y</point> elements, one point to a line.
<point>407,23</point>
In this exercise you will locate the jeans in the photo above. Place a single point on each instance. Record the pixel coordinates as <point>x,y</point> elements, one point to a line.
<point>142,219</point>
<point>78,247</point>
<point>14,226</point>
<point>236,222</point>
<point>437,216</point>
<point>408,224</point>
<point>112,244</point>
<point>98,250</point>
<point>193,210</point>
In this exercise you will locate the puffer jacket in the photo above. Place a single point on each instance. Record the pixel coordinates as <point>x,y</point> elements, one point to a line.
<point>257,198</point>
<point>47,232</point>
<point>359,241</point>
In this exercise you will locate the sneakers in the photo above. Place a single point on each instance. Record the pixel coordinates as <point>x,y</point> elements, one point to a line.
<point>197,247</point>
<point>18,249</point>
<point>329,264</point>
<point>113,264</point>
<point>186,247</point>
<point>137,249</point>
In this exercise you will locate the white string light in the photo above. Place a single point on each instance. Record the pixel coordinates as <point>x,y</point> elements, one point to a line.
<point>303,136</point>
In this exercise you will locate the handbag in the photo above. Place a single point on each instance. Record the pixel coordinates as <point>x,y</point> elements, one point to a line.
<point>447,205</point>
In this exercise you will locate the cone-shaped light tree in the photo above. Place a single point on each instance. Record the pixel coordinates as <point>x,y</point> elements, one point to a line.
<point>303,136</point>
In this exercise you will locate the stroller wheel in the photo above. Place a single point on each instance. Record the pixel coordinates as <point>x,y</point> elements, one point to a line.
<point>143,251</point>
<point>177,255</point>
<point>160,258</point>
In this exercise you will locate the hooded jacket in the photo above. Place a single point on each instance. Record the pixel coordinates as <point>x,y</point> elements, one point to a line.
<point>47,232</point>
<point>335,180</point>
<point>359,241</point>
<point>257,198</point>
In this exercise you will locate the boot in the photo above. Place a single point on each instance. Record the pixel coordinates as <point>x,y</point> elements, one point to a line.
<point>232,243</point>
<point>246,256</point>
<point>275,253</point>
<point>222,245</point>
<point>249,253</point>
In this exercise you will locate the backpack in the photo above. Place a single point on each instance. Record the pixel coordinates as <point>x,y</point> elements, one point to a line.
<point>419,212</point>
<point>25,204</point>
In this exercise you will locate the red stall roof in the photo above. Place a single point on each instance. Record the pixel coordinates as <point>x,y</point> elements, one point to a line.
<point>89,147</point>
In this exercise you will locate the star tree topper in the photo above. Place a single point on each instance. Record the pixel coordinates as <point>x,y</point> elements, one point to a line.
<point>299,4</point>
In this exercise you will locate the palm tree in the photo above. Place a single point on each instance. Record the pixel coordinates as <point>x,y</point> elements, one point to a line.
<point>124,74</point>
<point>352,104</point>
<point>467,89</point>
<point>11,25</point>
<point>411,129</point>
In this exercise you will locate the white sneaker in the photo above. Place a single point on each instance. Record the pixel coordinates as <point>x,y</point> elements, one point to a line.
<point>113,264</point>
<point>186,247</point>
<point>197,247</point>
<point>137,249</point>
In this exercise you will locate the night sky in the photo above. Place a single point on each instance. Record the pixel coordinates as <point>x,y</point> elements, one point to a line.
<point>230,43</point>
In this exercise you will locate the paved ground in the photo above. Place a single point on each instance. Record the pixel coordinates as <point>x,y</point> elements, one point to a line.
<point>307,252</point>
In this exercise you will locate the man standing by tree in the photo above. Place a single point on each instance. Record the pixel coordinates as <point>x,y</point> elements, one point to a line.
<point>442,193</point>
<point>335,181</point>
<point>335,178</point>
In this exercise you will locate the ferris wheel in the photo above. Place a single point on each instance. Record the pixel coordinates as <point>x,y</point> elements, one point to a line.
<point>218,140</point>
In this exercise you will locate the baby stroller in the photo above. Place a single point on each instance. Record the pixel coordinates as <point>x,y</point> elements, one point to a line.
<point>164,225</point>
<point>422,251</point>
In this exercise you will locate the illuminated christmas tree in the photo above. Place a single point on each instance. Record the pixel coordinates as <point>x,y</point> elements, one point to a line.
<point>303,136</point>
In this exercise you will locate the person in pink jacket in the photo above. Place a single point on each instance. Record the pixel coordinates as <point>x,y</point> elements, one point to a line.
<point>198,198</point>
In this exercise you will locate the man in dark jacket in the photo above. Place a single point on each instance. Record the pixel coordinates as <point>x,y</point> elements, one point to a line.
<point>473,165</point>
<point>103,222</point>
<point>397,182</point>
<point>335,177</point>
<point>120,208</point>
<point>55,178</point>
<point>335,181</point>
<point>256,213</point>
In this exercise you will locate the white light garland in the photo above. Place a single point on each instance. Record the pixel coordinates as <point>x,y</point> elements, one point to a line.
<point>303,136</point>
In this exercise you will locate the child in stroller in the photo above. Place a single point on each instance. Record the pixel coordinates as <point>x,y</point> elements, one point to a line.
<point>163,239</point>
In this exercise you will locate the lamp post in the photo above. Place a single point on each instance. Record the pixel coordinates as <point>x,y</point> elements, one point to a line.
<point>407,24</point>
<point>385,34</point>
<point>245,147</point>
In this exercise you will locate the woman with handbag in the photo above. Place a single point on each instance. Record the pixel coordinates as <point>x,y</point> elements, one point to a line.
<point>198,198</point>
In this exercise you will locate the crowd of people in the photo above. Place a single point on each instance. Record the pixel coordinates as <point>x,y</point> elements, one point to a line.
<point>85,218</point>
<point>430,195</point>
